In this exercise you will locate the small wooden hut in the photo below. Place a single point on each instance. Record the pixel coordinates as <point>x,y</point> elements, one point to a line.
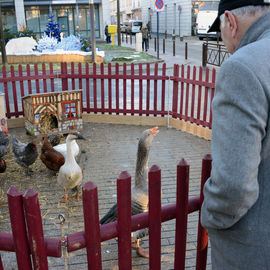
<point>55,111</point>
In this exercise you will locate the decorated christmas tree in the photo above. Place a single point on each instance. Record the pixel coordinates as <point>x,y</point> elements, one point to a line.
<point>53,29</point>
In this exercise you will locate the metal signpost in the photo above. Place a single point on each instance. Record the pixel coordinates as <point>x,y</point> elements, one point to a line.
<point>159,6</point>
<point>93,38</point>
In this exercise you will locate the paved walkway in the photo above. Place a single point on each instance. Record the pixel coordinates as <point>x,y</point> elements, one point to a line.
<point>194,50</point>
<point>109,150</point>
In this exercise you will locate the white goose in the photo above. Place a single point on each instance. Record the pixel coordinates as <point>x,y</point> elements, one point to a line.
<point>70,174</point>
<point>139,196</point>
<point>62,148</point>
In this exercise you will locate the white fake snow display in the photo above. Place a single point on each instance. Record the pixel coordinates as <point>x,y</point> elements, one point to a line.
<point>47,45</point>
<point>20,45</point>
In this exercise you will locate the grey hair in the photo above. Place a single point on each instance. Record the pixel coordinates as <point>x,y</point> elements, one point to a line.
<point>247,10</point>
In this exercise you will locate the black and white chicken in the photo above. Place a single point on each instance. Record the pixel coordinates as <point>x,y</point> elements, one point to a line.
<point>24,154</point>
<point>4,142</point>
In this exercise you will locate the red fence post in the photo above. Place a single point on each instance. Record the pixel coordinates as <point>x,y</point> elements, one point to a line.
<point>91,226</point>
<point>64,76</point>
<point>1,264</point>
<point>181,214</point>
<point>202,237</point>
<point>154,190</point>
<point>35,229</point>
<point>124,220</point>
<point>17,220</point>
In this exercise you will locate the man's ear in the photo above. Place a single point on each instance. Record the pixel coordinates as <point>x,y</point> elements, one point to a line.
<point>232,21</point>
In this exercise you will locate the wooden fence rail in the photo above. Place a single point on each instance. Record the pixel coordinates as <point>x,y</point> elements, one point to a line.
<point>32,248</point>
<point>126,89</point>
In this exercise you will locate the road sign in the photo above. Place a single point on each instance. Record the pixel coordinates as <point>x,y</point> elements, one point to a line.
<point>159,5</point>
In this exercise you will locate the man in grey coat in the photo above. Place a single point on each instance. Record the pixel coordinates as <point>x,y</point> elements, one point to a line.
<point>236,207</point>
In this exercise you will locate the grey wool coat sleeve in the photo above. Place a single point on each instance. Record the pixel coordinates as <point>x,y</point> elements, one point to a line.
<point>240,113</point>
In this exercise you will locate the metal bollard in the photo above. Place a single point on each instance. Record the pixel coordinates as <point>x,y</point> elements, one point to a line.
<point>186,50</point>
<point>163,45</point>
<point>173,47</point>
<point>63,240</point>
<point>130,39</point>
<point>204,54</point>
<point>122,37</point>
<point>126,38</point>
<point>155,44</point>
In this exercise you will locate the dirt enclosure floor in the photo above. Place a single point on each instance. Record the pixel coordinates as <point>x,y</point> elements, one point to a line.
<point>109,150</point>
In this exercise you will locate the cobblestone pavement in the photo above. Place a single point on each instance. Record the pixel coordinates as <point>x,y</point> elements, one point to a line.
<point>109,150</point>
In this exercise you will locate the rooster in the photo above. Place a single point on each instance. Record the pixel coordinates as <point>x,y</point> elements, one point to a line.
<point>24,154</point>
<point>52,159</point>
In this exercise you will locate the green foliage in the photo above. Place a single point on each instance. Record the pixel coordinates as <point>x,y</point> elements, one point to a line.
<point>8,35</point>
<point>26,32</point>
<point>86,43</point>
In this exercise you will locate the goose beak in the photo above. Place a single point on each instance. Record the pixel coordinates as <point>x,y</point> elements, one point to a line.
<point>154,131</point>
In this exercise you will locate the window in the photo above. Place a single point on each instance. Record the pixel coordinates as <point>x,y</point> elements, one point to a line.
<point>70,110</point>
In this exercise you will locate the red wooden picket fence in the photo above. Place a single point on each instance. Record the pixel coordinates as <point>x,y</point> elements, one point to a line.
<point>121,89</point>
<point>32,247</point>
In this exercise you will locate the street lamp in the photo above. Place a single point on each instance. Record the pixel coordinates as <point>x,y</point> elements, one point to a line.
<point>93,39</point>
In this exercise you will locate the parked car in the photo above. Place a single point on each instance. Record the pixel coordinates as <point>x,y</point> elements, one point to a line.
<point>124,26</point>
<point>205,18</point>
<point>136,26</point>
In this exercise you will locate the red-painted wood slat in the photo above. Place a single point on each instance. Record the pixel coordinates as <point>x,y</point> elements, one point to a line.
<point>199,97</point>
<point>193,95</point>
<point>202,237</point>
<point>95,86</point>
<point>102,88</point>
<point>132,90</point>
<point>182,89</point>
<point>148,90</point>
<point>37,80</point>
<point>14,92</point>
<point>155,88</point>
<point>18,226</point>
<point>72,70</point>
<point>175,91</point>
<point>110,87</point>
<point>4,72</point>
<point>44,80</point>
<point>163,93</point>
<point>117,88</point>
<point>187,106</point>
<point>124,220</point>
<point>91,226</point>
<point>154,189</point>
<point>212,96</point>
<point>205,98</point>
<point>35,230</point>
<point>28,72</point>
<point>52,77</point>
<point>181,214</point>
<point>64,76</point>
<point>140,90</point>
<point>87,88</point>
<point>124,88</point>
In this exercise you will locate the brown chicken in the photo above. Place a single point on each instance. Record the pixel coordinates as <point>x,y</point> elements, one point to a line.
<point>52,159</point>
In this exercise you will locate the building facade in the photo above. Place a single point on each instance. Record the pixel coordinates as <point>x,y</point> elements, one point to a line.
<point>178,17</point>
<point>72,15</point>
